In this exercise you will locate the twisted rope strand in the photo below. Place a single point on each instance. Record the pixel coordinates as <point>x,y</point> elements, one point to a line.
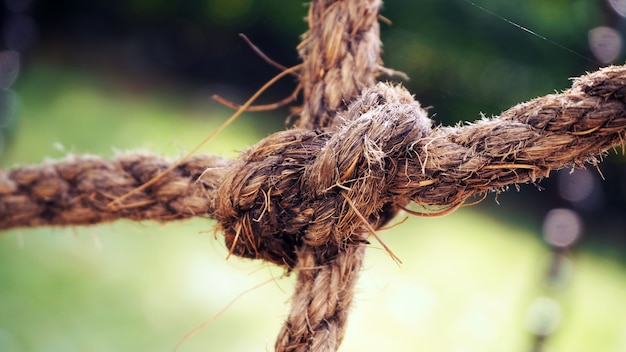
<point>443,167</point>
<point>77,190</point>
<point>341,57</point>
<point>361,150</point>
<point>323,294</point>
<point>522,145</point>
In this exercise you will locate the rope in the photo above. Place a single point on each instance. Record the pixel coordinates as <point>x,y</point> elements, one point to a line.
<point>78,190</point>
<point>285,198</point>
<point>323,294</point>
<point>360,151</point>
<point>341,57</point>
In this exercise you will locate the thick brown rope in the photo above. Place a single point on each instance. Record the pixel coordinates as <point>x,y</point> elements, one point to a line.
<point>278,211</point>
<point>443,168</point>
<point>79,189</point>
<point>319,307</point>
<point>291,189</point>
<point>285,200</point>
<point>341,57</point>
<point>298,197</point>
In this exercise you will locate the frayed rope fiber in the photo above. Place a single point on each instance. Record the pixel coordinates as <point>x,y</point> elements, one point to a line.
<point>306,198</point>
<point>285,200</point>
<point>291,188</point>
<point>382,154</point>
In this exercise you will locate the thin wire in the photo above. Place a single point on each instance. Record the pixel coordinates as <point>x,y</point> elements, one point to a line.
<point>218,314</point>
<point>533,33</point>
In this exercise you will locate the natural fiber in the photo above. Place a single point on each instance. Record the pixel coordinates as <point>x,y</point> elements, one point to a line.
<point>442,167</point>
<point>80,189</point>
<point>292,188</point>
<point>286,197</point>
<point>323,294</point>
<point>361,151</point>
<point>341,57</point>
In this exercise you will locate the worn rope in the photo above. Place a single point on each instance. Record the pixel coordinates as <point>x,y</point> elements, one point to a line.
<point>341,57</point>
<point>284,200</point>
<point>360,151</point>
<point>447,165</point>
<point>79,190</point>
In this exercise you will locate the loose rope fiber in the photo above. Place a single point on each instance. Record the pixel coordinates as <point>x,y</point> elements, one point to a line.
<point>79,190</point>
<point>284,200</point>
<point>441,167</point>
<point>306,198</point>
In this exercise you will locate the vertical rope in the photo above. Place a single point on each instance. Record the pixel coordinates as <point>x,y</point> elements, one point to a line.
<point>324,292</point>
<point>341,57</point>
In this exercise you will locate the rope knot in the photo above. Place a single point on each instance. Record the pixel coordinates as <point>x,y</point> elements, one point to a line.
<point>301,187</point>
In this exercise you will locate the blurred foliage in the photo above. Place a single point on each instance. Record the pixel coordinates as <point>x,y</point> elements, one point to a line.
<point>461,58</point>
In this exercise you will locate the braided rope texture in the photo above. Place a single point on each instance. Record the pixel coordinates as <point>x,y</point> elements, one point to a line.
<point>341,57</point>
<point>79,190</point>
<point>360,152</point>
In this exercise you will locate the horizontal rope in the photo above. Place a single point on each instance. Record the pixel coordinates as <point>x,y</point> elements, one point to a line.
<point>311,187</point>
<point>80,189</point>
<point>297,198</point>
<point>444,167</point>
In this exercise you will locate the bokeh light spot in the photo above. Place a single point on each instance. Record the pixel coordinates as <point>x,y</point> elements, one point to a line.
<point>562,227</point>
<point>544,316</point>
<point>8,107</point>
<point>9,68</point>
<point>605,44</point>
<point>576,186</point>
<point>619,6</point>
<point>20,31</point>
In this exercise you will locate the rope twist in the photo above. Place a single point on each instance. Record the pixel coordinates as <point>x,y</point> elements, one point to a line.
<point>293,187</point>
<point>305,198</point>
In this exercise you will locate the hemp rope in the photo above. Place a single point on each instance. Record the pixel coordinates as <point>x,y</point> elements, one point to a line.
<point>295,199</point>
<point>444,167</point>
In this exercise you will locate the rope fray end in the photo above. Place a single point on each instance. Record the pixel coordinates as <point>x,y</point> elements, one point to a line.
<point>209,321</point>
<point>118,202</point>
<point>371,229</point>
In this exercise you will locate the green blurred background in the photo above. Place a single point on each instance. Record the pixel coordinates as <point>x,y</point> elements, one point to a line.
<point>118,76</point>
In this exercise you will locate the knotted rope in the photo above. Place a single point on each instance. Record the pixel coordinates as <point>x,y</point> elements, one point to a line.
<point>443,167</point>
<point>341,57</point>
<point>286,199</point>
<point>305,198</point>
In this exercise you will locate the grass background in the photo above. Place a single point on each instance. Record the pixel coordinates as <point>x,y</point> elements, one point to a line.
<point>467,282</point>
